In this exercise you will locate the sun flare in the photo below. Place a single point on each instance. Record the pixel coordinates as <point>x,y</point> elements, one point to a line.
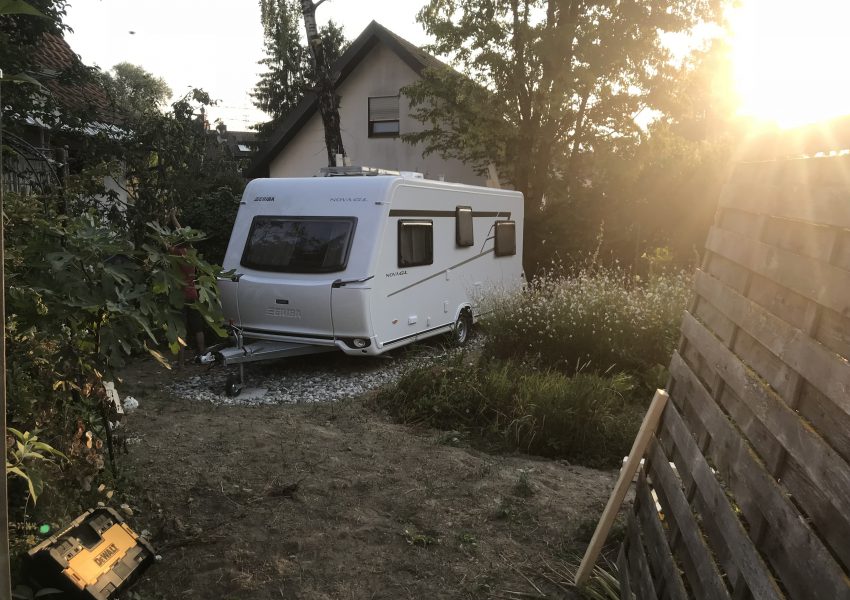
<point>790,60</point>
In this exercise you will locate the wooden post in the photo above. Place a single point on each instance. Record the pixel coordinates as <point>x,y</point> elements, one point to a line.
<point>5,576</point>
<point>627,473</point>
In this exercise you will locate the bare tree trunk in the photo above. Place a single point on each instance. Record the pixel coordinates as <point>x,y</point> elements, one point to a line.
<point>325,92</point>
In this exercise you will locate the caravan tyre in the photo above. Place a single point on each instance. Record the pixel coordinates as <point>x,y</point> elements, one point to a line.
<point>232,387</point>
<point>462,328</point>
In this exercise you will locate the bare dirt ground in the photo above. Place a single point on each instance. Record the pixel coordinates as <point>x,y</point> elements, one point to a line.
<point>332,500</point>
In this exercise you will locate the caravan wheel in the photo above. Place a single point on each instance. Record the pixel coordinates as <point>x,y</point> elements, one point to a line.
<point>233,386</point>
<point>462,328</point>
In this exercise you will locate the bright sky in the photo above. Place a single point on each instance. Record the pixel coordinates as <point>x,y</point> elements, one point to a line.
<point>209,44</point>
<point>790,60</point>
<point>789,56</point>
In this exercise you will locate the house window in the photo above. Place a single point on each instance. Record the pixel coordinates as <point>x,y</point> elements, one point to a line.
<point>415,243</point>
<point>463,226</point>
<point>383,116</point>
<point>505,238</point>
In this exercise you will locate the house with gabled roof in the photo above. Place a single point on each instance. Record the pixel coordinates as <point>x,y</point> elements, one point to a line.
<point>40,152</point>
<point>373,115</point>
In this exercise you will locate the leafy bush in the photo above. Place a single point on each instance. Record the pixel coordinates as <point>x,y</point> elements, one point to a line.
<point>601,318</point>
<point>81,297</point>
<point>586,418</point>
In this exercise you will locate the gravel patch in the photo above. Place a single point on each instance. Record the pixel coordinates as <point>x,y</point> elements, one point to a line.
<point>317,378</point>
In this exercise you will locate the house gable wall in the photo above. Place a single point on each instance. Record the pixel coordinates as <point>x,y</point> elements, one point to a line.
<point>381,73</point>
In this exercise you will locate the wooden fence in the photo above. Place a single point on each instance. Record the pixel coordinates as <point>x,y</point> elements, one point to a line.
<point>746,487</point>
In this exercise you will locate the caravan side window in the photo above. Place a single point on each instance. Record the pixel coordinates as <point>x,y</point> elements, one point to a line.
<point>463,226</point>
<point>415,243</point>
<point>505,238</point>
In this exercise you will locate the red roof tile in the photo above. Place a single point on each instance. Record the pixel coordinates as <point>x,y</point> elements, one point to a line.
<point>55,56</point>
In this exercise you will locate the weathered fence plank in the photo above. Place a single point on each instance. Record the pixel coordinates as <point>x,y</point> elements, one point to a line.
<point>820,462</point>
<point>700,570</point>
<point>824,369</point>
<point>717,508</point>
<point>806,276</point>
<point>758,504</point>
<point>623,574</point>
<point>640,573</point>
<point>794,550</point>
<point>827,204</point>
<point>670,583</point>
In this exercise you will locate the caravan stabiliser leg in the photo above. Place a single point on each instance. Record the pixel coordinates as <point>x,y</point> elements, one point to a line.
<point>233,386</point>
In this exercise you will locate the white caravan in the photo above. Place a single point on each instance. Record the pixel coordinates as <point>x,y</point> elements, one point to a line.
<point>364,264</point>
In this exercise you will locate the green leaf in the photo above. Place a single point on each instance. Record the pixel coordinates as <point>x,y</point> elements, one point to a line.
<point>22,78</point>
<point>19,7</point>
<point>22,474</point>
<point>10,470</point>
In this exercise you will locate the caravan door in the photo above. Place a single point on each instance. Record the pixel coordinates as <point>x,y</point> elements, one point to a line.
<point>288,267</point>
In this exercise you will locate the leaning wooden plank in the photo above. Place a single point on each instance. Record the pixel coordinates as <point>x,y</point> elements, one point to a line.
<point>717,509</point>
<point>627,473</point>
<point>670,584</point>
<point>701,569</point>
<point>827,371</point>
<point>818,281</point>
<point>640,574</point>
<point>823,465</point>
<point>801,561</point>
<point>623,573</point>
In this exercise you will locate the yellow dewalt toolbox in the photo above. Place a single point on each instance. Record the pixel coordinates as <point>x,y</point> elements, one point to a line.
<point>94,557</point>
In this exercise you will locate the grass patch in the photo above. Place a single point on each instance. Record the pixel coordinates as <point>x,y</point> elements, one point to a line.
<point>585,418</point>
<point>567,370</point>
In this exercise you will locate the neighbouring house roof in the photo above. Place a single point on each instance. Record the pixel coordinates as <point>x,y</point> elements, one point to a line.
<point>242,144</point>
<point>375,33</point>
<point>54,57</point>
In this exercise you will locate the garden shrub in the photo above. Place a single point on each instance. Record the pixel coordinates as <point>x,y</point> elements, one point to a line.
<point>81,299</point>
<point>586,418</point>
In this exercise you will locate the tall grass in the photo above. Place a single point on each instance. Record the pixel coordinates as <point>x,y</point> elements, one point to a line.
<point>586,418</point>
<point>605,319</point>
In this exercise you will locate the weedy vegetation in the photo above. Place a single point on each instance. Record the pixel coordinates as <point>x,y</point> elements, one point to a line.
<point>567,368</point>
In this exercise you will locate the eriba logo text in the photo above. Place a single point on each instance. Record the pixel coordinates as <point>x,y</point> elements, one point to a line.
<point>286,313</point>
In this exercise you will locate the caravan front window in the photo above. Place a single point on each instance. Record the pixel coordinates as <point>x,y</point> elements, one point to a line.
<point>299,244</point>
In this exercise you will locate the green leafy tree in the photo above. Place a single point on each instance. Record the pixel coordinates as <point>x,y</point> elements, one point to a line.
<point>134,90</point>
<point>547,85</point>
<point>92,280</point>
<point>166,162</point>
<point>662,192</point>
<point>288,70</point>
